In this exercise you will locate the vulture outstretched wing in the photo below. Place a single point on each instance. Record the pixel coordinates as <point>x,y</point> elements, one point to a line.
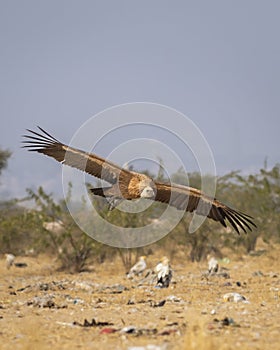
<point>181,197</point>
<point>90,163</point>
<point>191,199</point>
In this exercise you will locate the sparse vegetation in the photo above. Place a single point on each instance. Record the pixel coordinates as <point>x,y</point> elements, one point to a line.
<point>4,156</point>
<point>46,228</point>
<point>22,229</point>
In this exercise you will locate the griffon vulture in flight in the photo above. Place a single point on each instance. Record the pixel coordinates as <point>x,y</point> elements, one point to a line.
<point>131,185</point>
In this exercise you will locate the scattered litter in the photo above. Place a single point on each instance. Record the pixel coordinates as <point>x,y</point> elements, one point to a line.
<point>51,286</point>
<point>150,278</point>
<point>257,274</point>
<point>44,286</point>
<point>128,329</point>
<point>257,252</point>
<point>174,299</point>
<point>151,302</point>
<point>93,323</point>
<point>221,274</point>
<point>172,324</point>
<point>68,324</point>
<point>108,330</point>
<point>227,284</point>
<point>148,347</point>
<point>19,264</point>
<point>227,321</point>
<point>159,304</point>
<point>45,302</point>
<point>114,289</point>
<point>78,301</point>
<point>168,331</point>
<point>138,331</point>
<point>235,297</point>
<point>83,285</point>
<point>23,289</point>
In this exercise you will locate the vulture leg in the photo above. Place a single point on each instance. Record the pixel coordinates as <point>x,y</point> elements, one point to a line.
<point>107,192</point>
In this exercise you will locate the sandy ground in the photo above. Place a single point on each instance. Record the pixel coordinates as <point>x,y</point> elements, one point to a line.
<point>44,309</point>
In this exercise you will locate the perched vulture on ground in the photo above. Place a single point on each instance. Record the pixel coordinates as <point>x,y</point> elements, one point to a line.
<point>138,268</point>
<point>164,273</point>
<point>129,185</point>
<point>10,258</point>
<point>213,266</point>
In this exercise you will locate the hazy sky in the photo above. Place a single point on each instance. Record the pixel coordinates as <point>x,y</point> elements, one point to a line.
<point>61,62</point>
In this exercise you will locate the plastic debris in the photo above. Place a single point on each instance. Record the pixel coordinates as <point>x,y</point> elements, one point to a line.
<point>45,302</point>
<point>108,330</point>
<point>148,347</point>
<point>92,323</point>
<point>257,274</point>
<point>138,331</point>
<point>159,304</point>
<point>227,284</point>
<point>174,299</point>
<point>227,321</point>
<point>114,289</point>
<point>128,329</point>
<point>44,286</point>
<point>220,274</point>
<point>168,331</point>
<point>235,297</point>
<point>20,264</point>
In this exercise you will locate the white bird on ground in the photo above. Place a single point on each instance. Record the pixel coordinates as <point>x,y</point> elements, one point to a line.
<point>10,258</point>
<point>164,273</point>
<point>138,268</point>
<point>235,297</point>
<point>54,226</point>
<point>213,266</point>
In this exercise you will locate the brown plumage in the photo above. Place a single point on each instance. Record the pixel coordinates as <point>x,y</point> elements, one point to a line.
<point>129,185</point>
